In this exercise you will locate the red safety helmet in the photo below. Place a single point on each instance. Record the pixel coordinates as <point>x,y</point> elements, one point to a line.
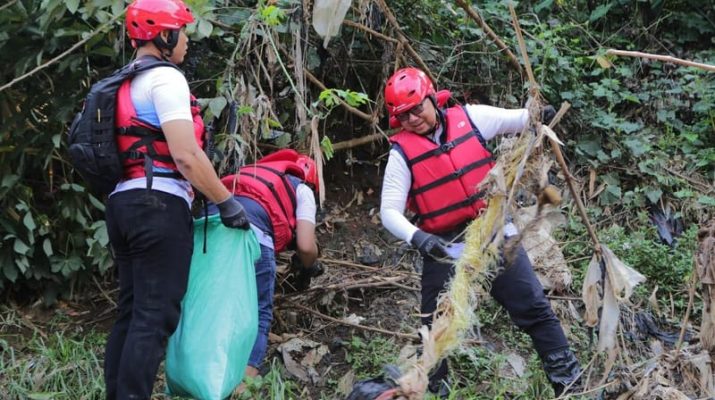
<point>311,171</point>
<point>405,89</point>
<point>147,18</point>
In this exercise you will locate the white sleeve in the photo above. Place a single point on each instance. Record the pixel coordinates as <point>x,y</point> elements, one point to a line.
<point>170,94</point>
<point>305,204</point>
<point>493,121</point>
<point>395,188</point>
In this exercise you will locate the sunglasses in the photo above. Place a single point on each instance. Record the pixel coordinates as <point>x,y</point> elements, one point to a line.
<point>416,111</point>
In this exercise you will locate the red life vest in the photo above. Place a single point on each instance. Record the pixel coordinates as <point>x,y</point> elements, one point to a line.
<point>137,139</point>
<point>445,178</point>
<point>268,184</point>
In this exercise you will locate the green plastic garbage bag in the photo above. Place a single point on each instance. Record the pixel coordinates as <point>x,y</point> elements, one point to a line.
<point>208,353</point>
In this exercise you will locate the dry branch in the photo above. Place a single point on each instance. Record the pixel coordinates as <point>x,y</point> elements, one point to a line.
<point>348,144</point>
<point>403,39</point>
<point>659,57</point>
<point>321,85</point>
<point>61,56</point>
<point>363,327</point>
<point>500,43</point>
<point>370,31</point>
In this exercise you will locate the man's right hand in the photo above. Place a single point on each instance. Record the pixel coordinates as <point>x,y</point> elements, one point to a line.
<point>429,245</point>
<point>233,215</point>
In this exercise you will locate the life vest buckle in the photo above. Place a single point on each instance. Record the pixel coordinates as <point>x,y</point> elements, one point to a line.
<point>447,147</point>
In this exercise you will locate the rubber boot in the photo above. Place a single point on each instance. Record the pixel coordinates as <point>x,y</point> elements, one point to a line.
<point>562,369</point>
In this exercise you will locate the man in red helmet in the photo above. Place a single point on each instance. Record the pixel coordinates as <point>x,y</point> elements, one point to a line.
<point>434,168</point>
<point>277,194</point>
<point>159,136</point>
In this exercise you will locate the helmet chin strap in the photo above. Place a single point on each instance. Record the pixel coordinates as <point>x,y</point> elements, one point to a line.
<point>167,47</point>
<point>438,114</point>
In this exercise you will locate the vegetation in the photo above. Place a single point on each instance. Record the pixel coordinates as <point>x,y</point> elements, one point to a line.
<point>640,138</point>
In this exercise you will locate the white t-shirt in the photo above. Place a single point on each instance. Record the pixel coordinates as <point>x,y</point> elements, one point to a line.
<point>305,210</point>
<point>491,122</point>
<point>160,95</point>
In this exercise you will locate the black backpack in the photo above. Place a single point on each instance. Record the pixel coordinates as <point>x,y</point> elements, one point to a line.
<point>92,143</point>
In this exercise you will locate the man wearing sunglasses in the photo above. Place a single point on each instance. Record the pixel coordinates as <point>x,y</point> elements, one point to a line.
<point>434,168</point>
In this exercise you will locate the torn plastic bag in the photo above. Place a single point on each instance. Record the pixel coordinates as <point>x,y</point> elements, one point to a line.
<point>208,353</point>
<point>380,388</point>
<point>328,15</point>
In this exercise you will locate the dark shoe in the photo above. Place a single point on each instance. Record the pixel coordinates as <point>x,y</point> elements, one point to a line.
<point>439,381</point>
<point>563,370</point>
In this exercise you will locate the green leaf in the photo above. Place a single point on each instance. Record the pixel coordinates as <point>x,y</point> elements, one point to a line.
<point>706,200</point>
<point>636,147</point>
<point>20,247</point>
<point>47,247</point>
<point>216,105</point>
<point>29,222</point>
<point>10,271</point>
<point>599,12</point>
<point>72,5</point>
<point>327,146</point>
<point>43,395</point>
<point>653,195</point>
<point>204,29</point>
<point>96,203</point>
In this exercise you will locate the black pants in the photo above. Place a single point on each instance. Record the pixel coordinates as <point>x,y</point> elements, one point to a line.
<point>516,289</point>
<point>151,234</point>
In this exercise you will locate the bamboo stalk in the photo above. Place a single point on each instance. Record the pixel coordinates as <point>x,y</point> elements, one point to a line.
<point>522,47</point>
<point>500,43</point>
<point>555,146</point>
<point>659,57</point>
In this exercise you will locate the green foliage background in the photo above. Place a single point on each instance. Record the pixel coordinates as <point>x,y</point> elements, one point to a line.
<point>646,129</point>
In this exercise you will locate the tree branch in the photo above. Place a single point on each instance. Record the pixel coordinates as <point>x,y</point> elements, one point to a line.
<point>659,57</point>
<point>500,43</point>
<point>61,56</point>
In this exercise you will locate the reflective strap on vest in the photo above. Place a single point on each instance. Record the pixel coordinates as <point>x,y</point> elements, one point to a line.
<point>441,149</point>
<point>454,175</point>
<point>469,200</point>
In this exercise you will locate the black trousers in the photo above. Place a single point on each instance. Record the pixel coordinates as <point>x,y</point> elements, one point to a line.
<point>151,234</point>
<point>516,289</point>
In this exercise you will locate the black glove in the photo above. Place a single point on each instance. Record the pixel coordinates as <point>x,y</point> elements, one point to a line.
<point>233,215</point>
<point>300,275</point>
<point>547,114</point>
<point>429,245</point>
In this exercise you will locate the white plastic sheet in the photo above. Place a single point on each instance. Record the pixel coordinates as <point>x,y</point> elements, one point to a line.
<point>620,280</point>
<point>328,15</point>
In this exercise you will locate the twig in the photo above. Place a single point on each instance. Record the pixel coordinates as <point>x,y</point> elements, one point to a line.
<point>572,187</point>
<point>659,57</point>
<point>61,56</point>
<point>361,266</point>
<point>104,292</point>
<point>370,31</point>
<point>500,43</point>
<point>349,144</point>
<point>26,321</point>
<point>9,4</point>
<point>403,39</point>
<point>699,185</point>
<point>691,295</point>
<point>367,328</point>
<point>317,82</point>
<point>550,297</point>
